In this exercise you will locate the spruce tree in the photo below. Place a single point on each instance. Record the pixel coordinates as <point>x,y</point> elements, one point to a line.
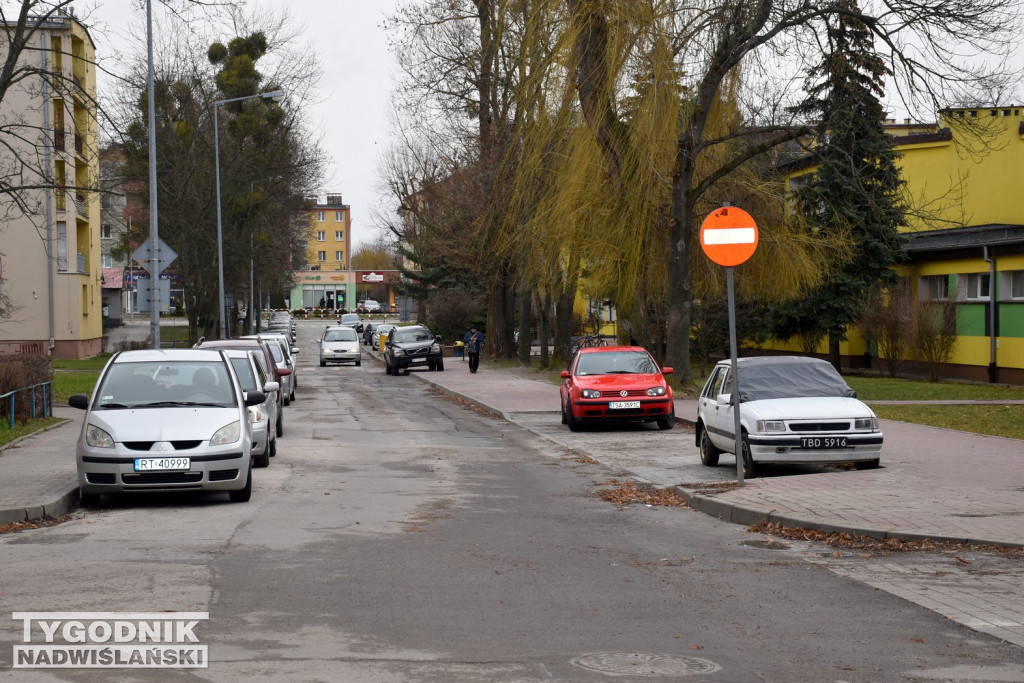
<point>857,186</point>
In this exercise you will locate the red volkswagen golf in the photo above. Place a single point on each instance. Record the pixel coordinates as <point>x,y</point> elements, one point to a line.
<point>616,384</point>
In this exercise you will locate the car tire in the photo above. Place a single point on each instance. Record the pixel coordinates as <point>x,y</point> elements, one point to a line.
<point>749,466</point>
<point>667,422</point>
<point>323,364</point>
<point>440,366</point>
<point>387,366</point>
<point>262,460</point>
<point>562,408</point>
<point>272,447</point>
<point>570,419</point>
<point>358,363</point>
<point>243,494</point>
<point>279,427</point>
<point>867,464</point>
<point>88,500</point>
<point>708,451</point>
<point>292,397</point>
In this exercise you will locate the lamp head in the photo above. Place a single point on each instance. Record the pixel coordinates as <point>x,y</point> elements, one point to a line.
<point>275,96</point>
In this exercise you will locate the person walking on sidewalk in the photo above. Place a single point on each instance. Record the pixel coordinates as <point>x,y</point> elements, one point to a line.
<point>474,341</point>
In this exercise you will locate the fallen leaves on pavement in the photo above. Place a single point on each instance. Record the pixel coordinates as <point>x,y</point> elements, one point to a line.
<point>881,545</point>
<point>458,400</point>
<point>37,524</point>
<point>710,488</point>
<point>628,493</point>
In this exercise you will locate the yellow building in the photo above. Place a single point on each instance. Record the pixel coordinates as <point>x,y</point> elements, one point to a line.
<point>50,255</point>
<point>328,248</point>
<point>966,237</point>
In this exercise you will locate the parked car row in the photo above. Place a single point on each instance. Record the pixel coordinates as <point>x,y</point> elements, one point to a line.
<point>186,419</point>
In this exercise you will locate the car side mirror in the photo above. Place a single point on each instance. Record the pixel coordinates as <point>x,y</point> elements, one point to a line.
<point>564,374</point>
<point>284,372</point>
<point>724,399</point>
<point>320,341</point>
<point>437,338</point>
<point>667,371</point>
<point>295,351</point>
<point>271,386</point>
<point>254,398</point>
<point>80,401</point>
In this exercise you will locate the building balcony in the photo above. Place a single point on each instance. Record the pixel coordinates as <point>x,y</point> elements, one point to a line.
<point>81,206</point>
<point>58,140</point>
<point>79,145</point>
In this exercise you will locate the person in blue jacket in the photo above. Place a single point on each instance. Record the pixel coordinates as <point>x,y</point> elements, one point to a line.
<point>474,342</point>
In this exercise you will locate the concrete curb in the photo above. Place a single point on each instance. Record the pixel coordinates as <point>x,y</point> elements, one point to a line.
<point>67,500</point>
<point>738,514</point>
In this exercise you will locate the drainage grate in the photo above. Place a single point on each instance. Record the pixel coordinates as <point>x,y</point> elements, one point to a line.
<point>639,664</point>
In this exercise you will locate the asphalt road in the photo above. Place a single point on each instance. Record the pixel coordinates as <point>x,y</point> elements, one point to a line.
<point>401,536</point>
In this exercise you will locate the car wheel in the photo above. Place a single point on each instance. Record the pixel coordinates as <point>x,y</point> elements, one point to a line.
<point>323,364</point>
<point>279,427</point>
<point>272,447</point>
<point>88,500</point>
<point>440,366</point>
<point>866,464</point>
<point>562,408</point>
<point>570,419</point>
<point>667,422</point>
<point>243,494</point>
<point>749,466</point>
<point>293,393</point>
<point>264,459</point>
<point>387,366</point>
<point>708,451</point>
<point>358,363</point>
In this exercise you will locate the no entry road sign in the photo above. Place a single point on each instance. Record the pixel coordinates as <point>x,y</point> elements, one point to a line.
<point>728,236</point>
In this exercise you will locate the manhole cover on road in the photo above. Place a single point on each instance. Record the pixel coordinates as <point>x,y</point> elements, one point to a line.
<point>639,664</point>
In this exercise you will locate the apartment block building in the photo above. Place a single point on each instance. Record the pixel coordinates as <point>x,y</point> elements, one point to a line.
<point>324,281</point>
<point>50,247</point>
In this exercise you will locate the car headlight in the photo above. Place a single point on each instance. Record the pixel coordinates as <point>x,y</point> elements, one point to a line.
<point>435,348</point>
<point>398,351</point>
<point>866,423</point>
<point>770,426</point>
<point>656,391</point>
<point>255,414</point>
<point>590,393</point>
<point>227,434</point>
<point>98,438</point>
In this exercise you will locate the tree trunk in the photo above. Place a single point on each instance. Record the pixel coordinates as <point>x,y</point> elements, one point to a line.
<point>833,353</point>
<point>525,321</point>
<point>680,287</point>
<point>545,329</point>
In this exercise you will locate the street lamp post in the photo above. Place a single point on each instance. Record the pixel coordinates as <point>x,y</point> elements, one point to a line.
<point>276,96</point>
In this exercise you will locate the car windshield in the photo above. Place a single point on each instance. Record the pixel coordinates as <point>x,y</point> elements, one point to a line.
<point>616,363</point>
<point>163,383</point>
<point>789,379</point>
<point>347,334</point>
<point>347,318</point>
<point>243,370</point>
<point>411,335</point>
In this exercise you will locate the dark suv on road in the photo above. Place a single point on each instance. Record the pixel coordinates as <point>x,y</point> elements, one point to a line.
<point>412,346</point>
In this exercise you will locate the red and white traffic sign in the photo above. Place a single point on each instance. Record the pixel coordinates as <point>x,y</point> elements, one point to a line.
<point>729,236</point>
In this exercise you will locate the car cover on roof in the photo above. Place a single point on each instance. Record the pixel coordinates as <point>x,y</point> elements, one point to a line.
<point>790,377</point>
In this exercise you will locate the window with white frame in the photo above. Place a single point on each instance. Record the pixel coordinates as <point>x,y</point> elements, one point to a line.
<point>321,216</point>
<point>321,256</point>
<point>339,235</point>
<point>973,286</point>
<point>1012,285</point>
<point>339,256</point>
<point>933,288</point>
<point>106,261</point>
<point>321,235</point>
<point>105,231</point>
<point>339,216</point>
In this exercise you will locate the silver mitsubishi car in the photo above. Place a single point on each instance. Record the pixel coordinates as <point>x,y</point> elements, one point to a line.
<point>166,420</point>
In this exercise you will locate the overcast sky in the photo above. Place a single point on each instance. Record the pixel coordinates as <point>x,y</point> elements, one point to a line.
<point>356,85</point>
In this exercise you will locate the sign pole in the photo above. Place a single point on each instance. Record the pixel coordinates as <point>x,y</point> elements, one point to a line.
<point>729,237</point>
<point>733,353</point>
